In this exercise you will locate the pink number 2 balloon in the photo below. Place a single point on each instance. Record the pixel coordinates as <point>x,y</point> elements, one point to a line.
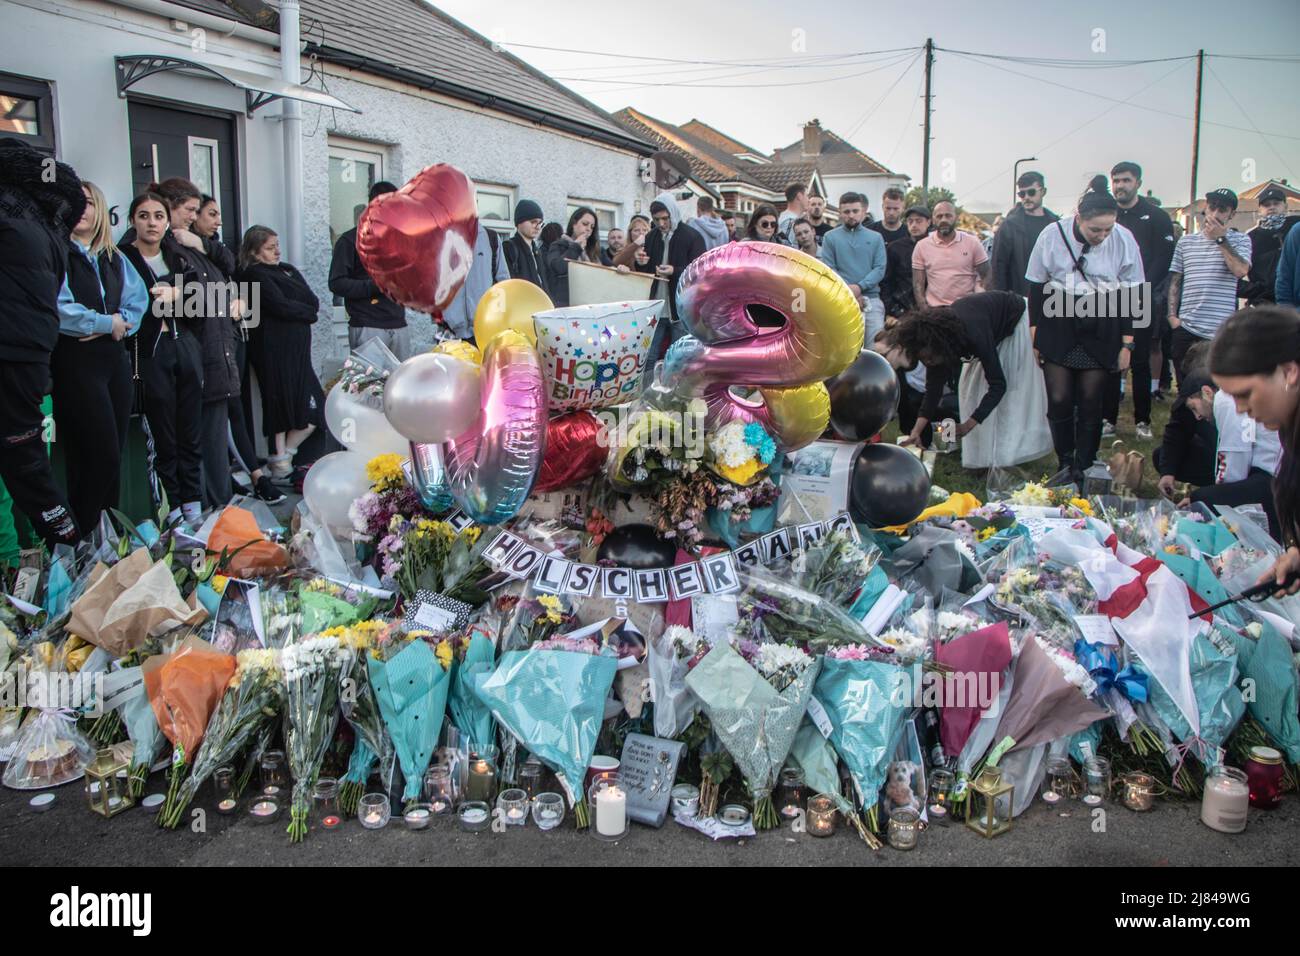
<point>820,337</point>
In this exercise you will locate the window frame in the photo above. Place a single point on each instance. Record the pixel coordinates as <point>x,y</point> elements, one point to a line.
<point>42,92</point>
<point>503,227</point>
<point>614,209</point>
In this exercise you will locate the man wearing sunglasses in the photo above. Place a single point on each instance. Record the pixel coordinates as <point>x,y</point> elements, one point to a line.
<point>1015,238</point>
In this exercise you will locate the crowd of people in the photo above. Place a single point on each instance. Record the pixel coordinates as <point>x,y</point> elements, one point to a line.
<point>1030,342</point>
<point>152,322</point>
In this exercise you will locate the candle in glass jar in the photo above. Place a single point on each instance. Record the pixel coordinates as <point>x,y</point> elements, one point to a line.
<point>611,811</point>
<point>821,816</point>
<point>482,779</point>
<point>1264,776</point>
<point>1225,799</point>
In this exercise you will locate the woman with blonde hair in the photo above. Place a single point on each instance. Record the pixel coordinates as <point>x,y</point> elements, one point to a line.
<point>100,305</point>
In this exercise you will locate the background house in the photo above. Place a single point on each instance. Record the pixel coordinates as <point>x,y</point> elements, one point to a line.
<point>388,87</point>
<point>840,166</point>
<point>1247,207</point>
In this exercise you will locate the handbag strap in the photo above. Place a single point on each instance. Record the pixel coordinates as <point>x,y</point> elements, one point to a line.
<point>1070,249</point>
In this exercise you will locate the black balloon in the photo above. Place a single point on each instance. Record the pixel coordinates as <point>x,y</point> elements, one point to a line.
<point>889,486</point>
<point>637,546</point>
<point>864,396</point>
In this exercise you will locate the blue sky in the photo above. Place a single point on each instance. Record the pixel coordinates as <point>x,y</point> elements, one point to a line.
<point>985,115</point>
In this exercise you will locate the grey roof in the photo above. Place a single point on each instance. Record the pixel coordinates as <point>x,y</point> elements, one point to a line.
<point>414,42</point>
<point>709,164</point>
<point>838,156</point>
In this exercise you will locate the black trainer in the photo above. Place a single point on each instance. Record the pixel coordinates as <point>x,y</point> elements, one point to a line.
<point>266,491</point>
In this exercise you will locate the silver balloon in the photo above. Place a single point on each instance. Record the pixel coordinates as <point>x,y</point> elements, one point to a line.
<point>332,484</point>
<point>432,397</point>
<point>429,475</point>
<point>360,426</point>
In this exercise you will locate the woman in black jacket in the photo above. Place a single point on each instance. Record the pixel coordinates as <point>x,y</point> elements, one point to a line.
<point>580,243</point>
<point>101,304</point>
<point>171,357</point>
<point>292,399</point>
<point>239,407</point>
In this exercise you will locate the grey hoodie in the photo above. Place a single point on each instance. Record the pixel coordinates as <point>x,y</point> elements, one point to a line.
<point>713,229</point>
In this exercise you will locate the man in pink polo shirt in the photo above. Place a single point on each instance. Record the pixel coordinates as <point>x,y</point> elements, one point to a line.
<point>946,263</point>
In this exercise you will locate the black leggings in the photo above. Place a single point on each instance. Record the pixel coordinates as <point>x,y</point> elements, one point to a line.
<point>1141,369</point>
<point>1074,401</point>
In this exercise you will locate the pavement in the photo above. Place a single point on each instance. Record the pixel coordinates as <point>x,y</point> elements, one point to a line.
<point>68,834</point>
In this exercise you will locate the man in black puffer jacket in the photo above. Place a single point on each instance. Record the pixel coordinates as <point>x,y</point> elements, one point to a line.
<point>1016,236</point>
<point>40,202</point>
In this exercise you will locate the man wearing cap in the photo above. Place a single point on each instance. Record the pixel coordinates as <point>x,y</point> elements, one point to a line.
<point>371,314</point>
<point>1203,275</point>
<point>521,249</point>
<point>1266,247</point>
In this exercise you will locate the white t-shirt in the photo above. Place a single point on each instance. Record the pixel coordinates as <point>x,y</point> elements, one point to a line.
<point>1116,262</point>
<point>1243,443</point>
<point>157,264</point>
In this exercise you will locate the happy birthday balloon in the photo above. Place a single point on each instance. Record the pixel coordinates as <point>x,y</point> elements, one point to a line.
<point>595,355</point>
<point>510,305</point>
<point>418,243</point>
<point>815,333</point>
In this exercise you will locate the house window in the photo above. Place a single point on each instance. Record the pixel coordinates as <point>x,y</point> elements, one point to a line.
<point>354,168</point>
<point>204,165</point>
<point>27,111</point>
<point>607,213</point>
<point>496,207</point>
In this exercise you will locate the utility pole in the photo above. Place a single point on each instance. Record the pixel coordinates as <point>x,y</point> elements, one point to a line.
<point>1196,127</point>
<point>925,156</point>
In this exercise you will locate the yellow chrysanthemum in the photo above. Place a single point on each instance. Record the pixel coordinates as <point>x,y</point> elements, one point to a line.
<point>443,652</point>
<point>741,474</point>
<point>1082,505</point>
<point>385,472</point>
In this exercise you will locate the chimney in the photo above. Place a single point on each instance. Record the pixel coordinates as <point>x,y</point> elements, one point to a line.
<point>812,139</point>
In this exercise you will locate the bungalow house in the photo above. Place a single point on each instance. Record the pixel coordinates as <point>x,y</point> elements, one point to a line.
<point>133,91</point>
<point>1247,207</point>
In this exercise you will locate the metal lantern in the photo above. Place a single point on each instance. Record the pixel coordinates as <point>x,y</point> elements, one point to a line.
<point>1098,480</point>
<point>989,800</point>
<point>106,792</point>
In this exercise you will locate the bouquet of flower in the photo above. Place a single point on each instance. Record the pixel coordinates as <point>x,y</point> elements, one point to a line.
<point>311,680</point>
<point>1051,591</point>
<point>755,706</point>
<point>184,689</point>
<point>551,699</point>
<point>364,376</point>
<point>671,656</point>
<point>281,615</point>
<point>1040,495</point>
<point>655,450</point>
<point>252,699</point>
<point>834,568</point>
<point>682,504</point>
<point>326,604</point>
<point>867,702</point>
<point>1049,697</point>
<point>411,673</point>
<point>774,609</point>
<point>534,618</point>
<point>424,554</point>
<point>740,452</point>
<point>360,706</point>
<point>476,657</point>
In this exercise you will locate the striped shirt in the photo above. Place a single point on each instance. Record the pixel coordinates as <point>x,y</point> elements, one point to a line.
<point>1209,293</point>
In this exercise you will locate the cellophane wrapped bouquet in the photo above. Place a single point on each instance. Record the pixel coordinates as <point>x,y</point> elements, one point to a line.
<point>311,670</point>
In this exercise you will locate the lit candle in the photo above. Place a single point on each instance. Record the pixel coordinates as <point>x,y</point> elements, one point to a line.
<point>226,806</point>
<point>264,808</point>
<point>515,814</point>
<point>1224,802</point>
<point>271,791</point>
<point>1051,797</point>
<point>374,816</point>
<point>611,811</point>
<point>481,780</point>
<point>330,822</point>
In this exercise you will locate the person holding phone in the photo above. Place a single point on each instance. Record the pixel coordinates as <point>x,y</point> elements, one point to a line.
<point>669,250</point>
<point>580,243</point>
<point>1203,275</point>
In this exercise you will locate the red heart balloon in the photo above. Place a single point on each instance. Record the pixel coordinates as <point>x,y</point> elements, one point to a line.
<point>573,453</point>
<point>418,243</point>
